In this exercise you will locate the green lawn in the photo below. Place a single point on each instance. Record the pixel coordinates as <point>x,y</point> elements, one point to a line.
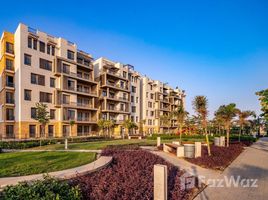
<point>26,163</point>
<point>102,144</point>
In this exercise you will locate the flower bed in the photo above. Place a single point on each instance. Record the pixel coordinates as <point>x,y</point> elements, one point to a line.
<point>130,176</point>
<point>220,157</point>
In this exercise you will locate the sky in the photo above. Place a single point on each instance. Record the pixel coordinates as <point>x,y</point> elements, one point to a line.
<point>214,48</point>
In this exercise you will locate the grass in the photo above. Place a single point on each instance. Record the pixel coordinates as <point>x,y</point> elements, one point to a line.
<point>101,144</point>
<point>26,163</point>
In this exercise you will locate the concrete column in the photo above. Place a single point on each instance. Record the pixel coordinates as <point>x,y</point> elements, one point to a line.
<point>222,141</point>
<point>160,182</point>
<point>198,149</point>
<point>180,151</point>
<point>158,141</point>
<point>66,143</point>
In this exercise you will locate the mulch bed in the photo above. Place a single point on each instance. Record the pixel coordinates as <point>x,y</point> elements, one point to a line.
<point>130,176</point>
<point>220,157</point>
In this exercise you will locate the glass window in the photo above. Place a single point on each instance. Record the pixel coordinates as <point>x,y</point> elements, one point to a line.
<point>9,97</point>
<point>53,50</point>
<point>45,97</point>
<point>33,113</point>
<point>48,49</point>
<point>70,54</point>
<point>35,44</point>
<point>9,64</point>
<point>30,42</point>
<point>50,130</point>
<point>27,95</point>
<point>42,46</point>
<point>45,64</point>
<point>32,130</point>
<point>9,131</point>
<point>10,114</point>
<point>52,82</point>
<point>9,48</point>
<point>27,59</point>
<point>52,113</point>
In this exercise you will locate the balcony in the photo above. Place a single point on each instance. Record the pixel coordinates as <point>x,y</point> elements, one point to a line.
<point>116,110</point>
<point>82,91</point>
<point>115,74</point>
<point>9,68</point>
<point>164,109</point>
<point>115,98</point>
<point>77,105</point>
<point>9,84</point>
<point>116,86</point>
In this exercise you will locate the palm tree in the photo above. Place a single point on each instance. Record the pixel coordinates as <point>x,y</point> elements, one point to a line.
<point>108,124</point>
<point>142,123</point>
<point>243,119</point>
<point>166,120</point>
<point>200,105</point>
<point>226,113</point>
<point>42,116</point>
<point>101,125</point>
<point>72,123</point>
<point>180,115</point>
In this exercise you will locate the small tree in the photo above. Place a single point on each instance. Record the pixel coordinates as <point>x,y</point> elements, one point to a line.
<point>72,123</point>
<point>42,116</point>
<point>101,125</point>
<point>129,125</point>
<point>180,115</point>
<point>108,124</point>
<point>243,119</point>
<point>226,113</point>
<point>200,105</point>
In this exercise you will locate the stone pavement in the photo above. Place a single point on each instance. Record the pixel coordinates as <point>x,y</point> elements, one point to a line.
<point>101,162</point>
<point>251,164</point>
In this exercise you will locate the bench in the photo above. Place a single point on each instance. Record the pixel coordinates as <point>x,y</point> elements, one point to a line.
<point>134,137</point>
<point>174,148</point>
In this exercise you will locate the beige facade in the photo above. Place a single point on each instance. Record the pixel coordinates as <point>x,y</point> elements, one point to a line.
<point>75,87</point>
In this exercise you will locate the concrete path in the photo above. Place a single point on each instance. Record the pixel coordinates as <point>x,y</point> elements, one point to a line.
<point>103,161</point>
<point>251,164</point>
<point>187,166</point>
<point>49,150</point>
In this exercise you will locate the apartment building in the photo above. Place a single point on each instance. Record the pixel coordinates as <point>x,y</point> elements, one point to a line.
<point>78,90</point>
<point>119,89</point>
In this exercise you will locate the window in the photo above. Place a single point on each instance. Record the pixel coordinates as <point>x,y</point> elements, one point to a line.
<point>30,42</point>
<point>45,97</point>
<point>52,82</point>
<point>33,113</point>
<point>151,87</point>
<point>132,99</point>
<point>37,79</point>
<point>124,74</point>
<point>152,96</point>
<point>9,64</point>
<point>45,64</point>
<point>66,130</point>
<point>9,131</point>
<point>71,86</point>
<point>32,129</point>
<point>27,95</point>
<point>10,114</point>
<point>133,109</point>
<point>27,59</point>
<point>152,113</point>
<point>53,50</point>
<point>10,81</point>
<point>71,114</point>
<point>70,54</point>
<point>35,44</point>
<point>65,68</point>
<point>147,94</point>
<point>137,119</point>
<point>50,130</point>
<point>42,46</point>
<point>48,48</point>
<point>52,114</point>
<point>65,99</point>
<point>137,99</point>
<point>9,97</point>
<point>133,89</point>
<point>150,104</point>
<point>9,48</point>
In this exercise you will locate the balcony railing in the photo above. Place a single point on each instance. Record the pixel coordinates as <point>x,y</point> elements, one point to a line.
<point>11,68</point>
<point>117,86</point>
<point>77,104</point>
<point>11,101</point>
<point>9,84</point>
<point>82,90</point>
<point>10,118</point>
<point>116,97</point>
<point>117,110</point>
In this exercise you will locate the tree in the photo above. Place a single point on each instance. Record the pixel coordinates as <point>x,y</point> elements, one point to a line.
<point>226,113</point>
<point>142,123</point>
<point>263,97</point>
<point>72,123</point>
<point>180,115</point>
<point>243,119</point>
<point>42,116</point>
<point>200,105</point>
<point>166,120</point>
<point>108,124</point>
<point>129,125</point>
<point>101,125</point>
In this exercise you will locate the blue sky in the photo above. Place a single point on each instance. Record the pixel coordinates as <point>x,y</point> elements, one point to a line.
<point>213,48</point>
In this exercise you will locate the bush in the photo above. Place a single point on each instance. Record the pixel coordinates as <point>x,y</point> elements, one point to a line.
<point>174,136</point>
<point>130,176</point>
<point>47,189</point>
<point>24,144</point>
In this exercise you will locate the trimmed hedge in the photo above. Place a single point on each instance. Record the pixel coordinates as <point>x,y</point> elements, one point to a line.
<point>48,189</point>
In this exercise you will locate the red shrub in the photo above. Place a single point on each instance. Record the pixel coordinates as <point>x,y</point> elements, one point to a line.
<point>220,157</point>
<point>130,176</point>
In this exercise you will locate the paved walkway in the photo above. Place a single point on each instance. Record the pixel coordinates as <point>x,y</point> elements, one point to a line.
<point>103,161</point>
<point>37,150</point>
<point>251,164</point>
